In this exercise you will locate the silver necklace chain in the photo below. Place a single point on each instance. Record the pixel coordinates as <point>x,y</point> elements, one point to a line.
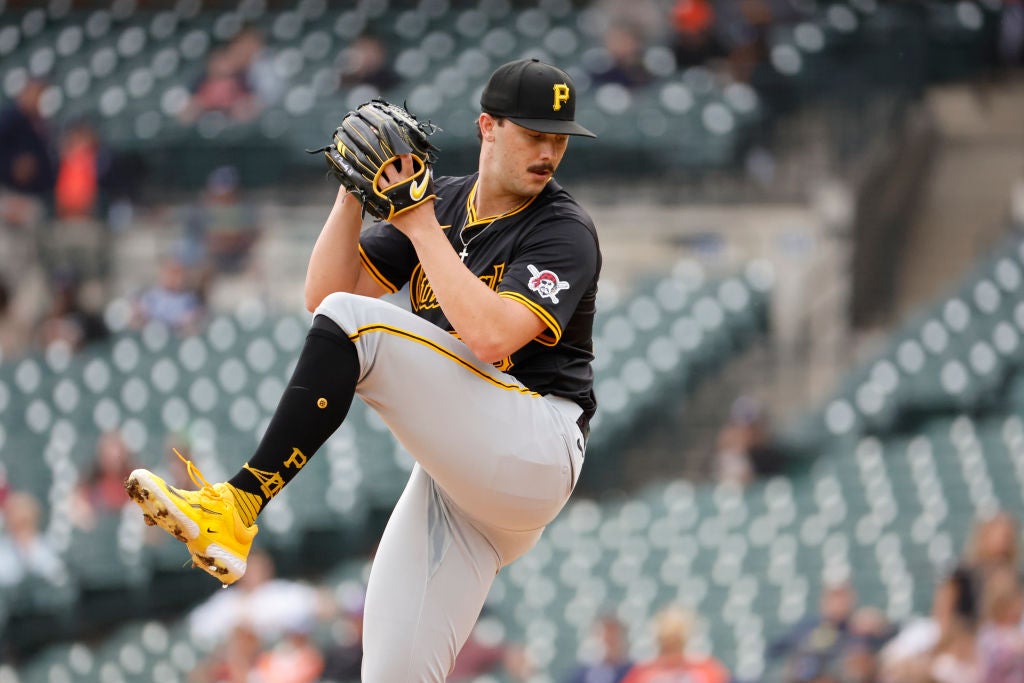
<point>465,243</point>
<point>465,222</point>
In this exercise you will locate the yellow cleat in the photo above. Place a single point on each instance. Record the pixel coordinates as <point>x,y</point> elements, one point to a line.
<point>206,521</point>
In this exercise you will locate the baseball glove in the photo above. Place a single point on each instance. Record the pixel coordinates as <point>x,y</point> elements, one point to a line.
<point>370,138</point>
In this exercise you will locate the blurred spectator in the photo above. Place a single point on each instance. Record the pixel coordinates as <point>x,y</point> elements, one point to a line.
<point>1011,33</point>
<point>76,194</point>
<point>74,317</point>
<point>223,88</point>
<point>695,41</point>
<point>1000,639</point>
<point>624,65</point>
<point>870,626</point>
<point>26,164</point>
<point>344,662</point>
<point>745,27</point>
<point>476,658</point>
<point>292,659</point>
<point>24,551</point>
<point>101,490</point>
<point>26,182</point>
<point>614,662</point>
<point>485,651</point>
<point>672,631</point>
<point>15,330</point>
<point>814,646</point>
<point>255,61</point>
<point>955,657</point>
<point>80,238</point>
<point>869,631</point>
<point>645,17</point>
<point>172,301</point>
<point>993,546</point>
<point>858,663</point>
<point>366,62</point>
<point>745,448</point>
<point>233,661</point>
<point>271,606</point>
<point>910,655</point>
<point>344,658</point>
<point>222,228</point>
<point>517,663</point>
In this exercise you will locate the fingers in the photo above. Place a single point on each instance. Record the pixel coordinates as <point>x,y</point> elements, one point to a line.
<point>393,175</point>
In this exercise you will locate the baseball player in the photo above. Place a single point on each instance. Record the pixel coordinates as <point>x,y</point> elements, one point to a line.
<point>486,380</point>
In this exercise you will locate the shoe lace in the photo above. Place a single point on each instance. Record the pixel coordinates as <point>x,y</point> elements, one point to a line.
<point>196,475</point>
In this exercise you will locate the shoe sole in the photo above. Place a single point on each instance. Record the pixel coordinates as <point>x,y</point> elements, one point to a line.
<point>159,510</point>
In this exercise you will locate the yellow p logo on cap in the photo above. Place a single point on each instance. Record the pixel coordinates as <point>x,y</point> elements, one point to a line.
<point>561,95</point>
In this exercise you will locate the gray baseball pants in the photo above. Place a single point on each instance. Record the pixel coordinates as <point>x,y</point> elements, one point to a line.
<point>495,464</point>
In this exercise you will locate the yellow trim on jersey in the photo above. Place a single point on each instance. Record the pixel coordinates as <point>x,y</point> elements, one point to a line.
<point>472,219</point>
<point>411,336</point>
<point>374,273</point>
<point>541,313</point>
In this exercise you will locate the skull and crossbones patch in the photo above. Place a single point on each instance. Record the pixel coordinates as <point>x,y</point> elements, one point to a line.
<point>546,283</point>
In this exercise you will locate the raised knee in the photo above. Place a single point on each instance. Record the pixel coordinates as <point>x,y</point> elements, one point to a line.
<point>337,307</point>
<point>335,300</point>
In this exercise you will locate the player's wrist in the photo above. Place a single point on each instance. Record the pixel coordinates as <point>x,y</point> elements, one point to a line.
<point>419,222</point>
<point>349,203</point>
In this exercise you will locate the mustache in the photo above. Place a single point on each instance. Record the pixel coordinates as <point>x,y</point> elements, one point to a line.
<point>542,168</point>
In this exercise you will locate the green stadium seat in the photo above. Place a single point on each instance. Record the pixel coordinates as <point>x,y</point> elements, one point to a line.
<point>60,662</point>
<point>106,558</point>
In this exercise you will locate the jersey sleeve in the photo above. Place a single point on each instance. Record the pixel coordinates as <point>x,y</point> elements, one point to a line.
<point>387,255</point>
<point>551,272</point>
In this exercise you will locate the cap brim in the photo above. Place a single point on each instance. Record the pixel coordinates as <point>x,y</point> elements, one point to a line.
<point>552,126</point>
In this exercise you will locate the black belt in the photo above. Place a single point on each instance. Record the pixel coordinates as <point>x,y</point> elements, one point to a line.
<point>584,424</point>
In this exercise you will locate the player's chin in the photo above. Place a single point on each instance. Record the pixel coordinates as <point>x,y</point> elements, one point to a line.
<point>538,179</point>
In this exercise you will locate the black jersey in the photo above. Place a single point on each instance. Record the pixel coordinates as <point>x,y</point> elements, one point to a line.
<point>544,254</point>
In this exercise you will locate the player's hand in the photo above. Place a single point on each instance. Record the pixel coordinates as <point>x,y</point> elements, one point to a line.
<point>421,215</point>
<point>393,175</point>
<point>372,137</point>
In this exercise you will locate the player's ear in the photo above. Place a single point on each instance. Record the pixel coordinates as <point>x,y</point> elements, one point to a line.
<point>486,124</point>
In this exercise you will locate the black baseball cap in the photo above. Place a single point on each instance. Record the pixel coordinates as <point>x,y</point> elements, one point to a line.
<point>534,95</point>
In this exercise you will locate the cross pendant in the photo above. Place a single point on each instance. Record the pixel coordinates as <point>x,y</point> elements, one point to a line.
<point>463,254</point>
